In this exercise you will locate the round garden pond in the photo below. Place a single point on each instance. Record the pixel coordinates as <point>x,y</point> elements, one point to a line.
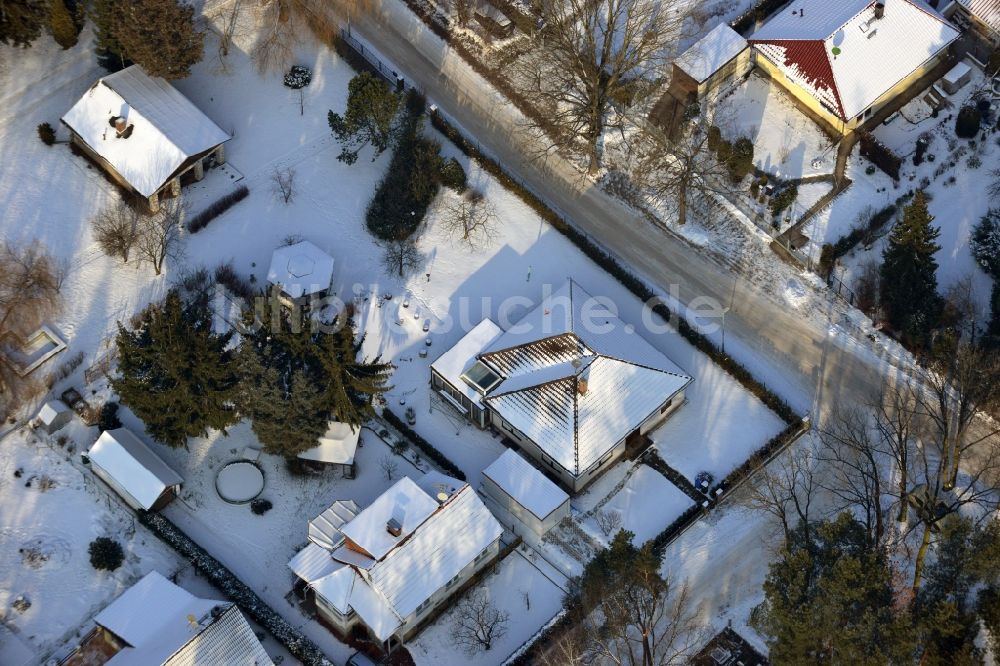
<point>239,481</point>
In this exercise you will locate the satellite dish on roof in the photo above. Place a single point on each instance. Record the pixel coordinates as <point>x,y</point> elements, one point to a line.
<point>442,497</point>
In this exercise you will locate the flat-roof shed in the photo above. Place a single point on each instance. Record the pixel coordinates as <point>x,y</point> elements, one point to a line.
<point>525,492</point>
<point>131,468</point>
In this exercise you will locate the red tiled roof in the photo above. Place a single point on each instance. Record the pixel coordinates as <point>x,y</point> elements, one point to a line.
<point>810,58</point>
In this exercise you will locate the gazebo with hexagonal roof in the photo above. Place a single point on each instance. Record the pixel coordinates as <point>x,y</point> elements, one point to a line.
<point>302,271</point>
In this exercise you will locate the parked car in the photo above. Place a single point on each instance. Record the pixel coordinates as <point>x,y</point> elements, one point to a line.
<point>358,659</point>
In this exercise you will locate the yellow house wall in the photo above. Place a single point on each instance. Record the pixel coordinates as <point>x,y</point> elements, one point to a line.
<point>807,99</point>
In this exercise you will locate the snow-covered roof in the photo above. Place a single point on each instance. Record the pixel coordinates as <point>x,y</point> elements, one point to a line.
<point>165,624</point>
<point>525,484</point>
<point>429,553</point>
<point>167,129</point>
<point>711,52</point>
<point>52,410</point>
<point>577,380</point>
<point>301,269</point>
<point>987,11</point>
<point>445,544</point>
<point>313,563</point>
<point>831,48</point>
<point>324,529</point>
<point>127,460</point>
<point>452,364</point>
<point>405,502</point>
<point>337,446</point>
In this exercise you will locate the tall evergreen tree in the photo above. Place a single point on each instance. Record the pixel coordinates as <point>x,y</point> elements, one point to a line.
<point>175,374</point>
<point>159,35</point>
<point>21,21</point>
<point>371,117</point>
<point>298,375</point>
<point>909,273</point>
<point>829,600</point>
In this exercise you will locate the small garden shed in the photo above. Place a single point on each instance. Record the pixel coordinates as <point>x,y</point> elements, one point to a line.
<point>133,471</point>
<point>525,493</point>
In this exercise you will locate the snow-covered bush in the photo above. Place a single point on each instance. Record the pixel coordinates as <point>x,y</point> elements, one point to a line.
<point>985,243</point>
<point>108,419</point>
<point>974,162</point>
<point>261,506</point>
<point>105,553</point>
<point>967,123</point>
<point>298,76</point>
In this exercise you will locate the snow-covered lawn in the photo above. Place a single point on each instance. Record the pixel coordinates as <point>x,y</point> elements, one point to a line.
<point>50,511</point>
<point>517,588</point>
<point>647,504</point>
<point>787,143</point>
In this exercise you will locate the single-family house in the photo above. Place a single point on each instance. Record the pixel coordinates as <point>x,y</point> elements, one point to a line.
<point>846,60</point>
<point>125,463</point>
<point>301,272</point>
<point>570,384</point>
<point>157,623</point>
<point>388,567</point>
<point>336,447</point>
<point>524,493</point>
<point>53,415</point>
<point>144,133</point>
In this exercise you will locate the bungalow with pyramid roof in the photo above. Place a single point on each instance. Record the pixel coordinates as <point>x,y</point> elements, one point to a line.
<point>847,59</point>
<point>570,384</point>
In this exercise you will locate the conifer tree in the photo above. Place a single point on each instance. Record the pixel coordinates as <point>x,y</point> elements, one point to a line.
<point>370,118</point>
<point>159,35</point>
<point>829,599</point>
<point>175,374</point>
<point>909,273</point>
<point>297,376</point>
<point>21,21</point>
<point>61,24</point>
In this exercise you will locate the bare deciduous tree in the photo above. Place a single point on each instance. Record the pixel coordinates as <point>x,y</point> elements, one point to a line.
<point>682,170</point>
<point>857,470</point>
<point>116,228</point>
<point>478,623</point>
<point>229,21</point>
<point>29,293</point>
<point>283,183</point>
<point>594,55</point>
<point>471,218</point>
<point>400,256</point>
<point>786,489</point>
<point>570,648</point>
<point>388,467</point>
<point>160,234</point>
<point>609,520</point>
<point>897,425</point>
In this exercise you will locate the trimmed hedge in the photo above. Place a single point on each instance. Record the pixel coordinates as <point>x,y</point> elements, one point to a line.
<point>214,210</point>
<point>745,21</point>
<point>294,640</point>
<point>639,288</point>
<point>441,459</point>
<point>761,455</point>
<point>880,155</point>
<point>848,241</point>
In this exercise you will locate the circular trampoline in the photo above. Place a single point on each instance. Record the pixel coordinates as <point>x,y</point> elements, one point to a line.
<point>239,481</point>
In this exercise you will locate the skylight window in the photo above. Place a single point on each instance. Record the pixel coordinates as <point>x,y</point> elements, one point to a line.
<point>481,377</point>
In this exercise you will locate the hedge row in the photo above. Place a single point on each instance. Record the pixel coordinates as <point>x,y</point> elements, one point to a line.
<point>653,459</point>
<point>639,288</point>
<point>880,155</point>
<point>758,12</point>
<point>441,459</point>
<point>214,210</point>
<point>761,455</point>
<point>848,241</point>
<point>301,647</point>
<point>663,539</point>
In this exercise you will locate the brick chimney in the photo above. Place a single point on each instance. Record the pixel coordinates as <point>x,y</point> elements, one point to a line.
<point>120,125</point>
<point>879,9</point>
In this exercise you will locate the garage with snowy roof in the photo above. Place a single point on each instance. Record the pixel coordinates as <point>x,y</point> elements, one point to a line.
<point>525,493</point>
<point>125,463</point>
<point>144,133</point>
<point>846,60</point>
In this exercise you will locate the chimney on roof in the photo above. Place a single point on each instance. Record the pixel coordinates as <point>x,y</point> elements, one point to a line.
<point>393,527</point>
<point>120,125</point>
<point>582,382</point>
<point>879,9</point>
